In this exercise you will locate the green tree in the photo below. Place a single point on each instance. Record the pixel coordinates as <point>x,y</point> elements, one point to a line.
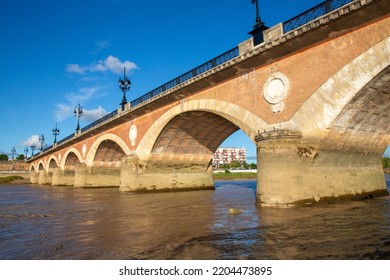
<point>3,157</point>
<point>386,162</point>
<point>253,166</point>
<point>235,164</point>
<point>245,165</point>
<point>20,157</point>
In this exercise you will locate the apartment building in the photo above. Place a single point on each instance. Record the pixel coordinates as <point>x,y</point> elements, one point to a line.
<point>229,155</point>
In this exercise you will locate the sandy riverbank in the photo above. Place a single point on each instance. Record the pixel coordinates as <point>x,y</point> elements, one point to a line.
<point>14,180</point>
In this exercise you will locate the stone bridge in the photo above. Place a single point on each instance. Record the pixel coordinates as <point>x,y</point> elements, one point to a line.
<point>315,99</point>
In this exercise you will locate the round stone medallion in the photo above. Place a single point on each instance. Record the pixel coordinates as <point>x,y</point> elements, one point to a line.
<point>133,134</point>
<point>84,150</point>
<point>275,90</point>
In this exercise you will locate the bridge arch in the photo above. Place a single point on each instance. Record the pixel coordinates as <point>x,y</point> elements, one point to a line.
<point>52,163</point>
<point>106,137</point>
<point>231,113</point>
<point>69,153</point>
<point>33,168</point>
<point>327,103</point>
<point>40,166</point>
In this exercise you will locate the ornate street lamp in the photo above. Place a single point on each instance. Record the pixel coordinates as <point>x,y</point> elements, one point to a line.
<point>33,147</point>
<point>78,112</point>
<point>56,131</point>
<point>259,27</point>
<point>13,151</point>
<point>25,152</point>
<point>124,85</point>
<point>258,19</point>
<point>42,141</point>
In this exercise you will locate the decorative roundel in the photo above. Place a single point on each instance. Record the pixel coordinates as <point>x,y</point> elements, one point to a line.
<point>133,134</point>
<point>276,88</point>
<point>84,150</point>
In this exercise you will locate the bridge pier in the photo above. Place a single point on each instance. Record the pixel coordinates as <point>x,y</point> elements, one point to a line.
<point>57,178</point>
<point>139,176</point>
<point>44,178</point>
<point>33,177</point>
<point>67,176</point>
<point>292,171</point>
<point>97,176</point>
<point>80,172</point>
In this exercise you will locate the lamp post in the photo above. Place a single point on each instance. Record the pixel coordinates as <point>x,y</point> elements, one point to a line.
<point>124,85</point>
<point>25,152</point>
<point>78,112</point>
<point>13,151</point>
<point>33,147</point>
<point>259,27</point>
<point>258,19</point>
<point>42,141</point>
<point>56,131</point>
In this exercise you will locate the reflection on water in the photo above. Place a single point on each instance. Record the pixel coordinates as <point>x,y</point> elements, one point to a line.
<point>41,222</point>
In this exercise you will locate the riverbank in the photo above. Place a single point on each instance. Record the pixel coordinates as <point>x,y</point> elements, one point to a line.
<point>234,175</point>
<point>14,180</point>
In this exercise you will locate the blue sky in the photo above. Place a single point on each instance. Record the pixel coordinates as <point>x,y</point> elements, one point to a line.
<point>56,54</point>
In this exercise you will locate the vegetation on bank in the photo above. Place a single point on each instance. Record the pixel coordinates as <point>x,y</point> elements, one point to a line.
<point>386,162</point>
<point>10,179</point>
<point>238,165</point>
<point>4,157</point>
<point>227,175</point>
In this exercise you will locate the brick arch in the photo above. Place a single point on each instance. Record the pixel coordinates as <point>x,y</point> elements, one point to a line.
<point>229,112</point>
<point>106,137</point>
<point>52,159</point>
<point>40,166</point>
<point>66,155</point>
<point>327,103</point>
<point>196,133</point>
<point>33,167</point>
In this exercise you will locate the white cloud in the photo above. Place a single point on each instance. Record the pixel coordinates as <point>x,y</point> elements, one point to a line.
<point>86,93</point>
<point>63,111</point>
<point>33,140</point>
<point>111,63</point>
<point>116,66</point>
<point>75,68</point>
<point>94,114</point>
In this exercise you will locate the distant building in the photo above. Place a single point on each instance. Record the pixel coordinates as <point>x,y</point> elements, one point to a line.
<point>229,155</point>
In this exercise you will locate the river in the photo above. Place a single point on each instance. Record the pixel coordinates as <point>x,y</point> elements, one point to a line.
<point>45,222</point>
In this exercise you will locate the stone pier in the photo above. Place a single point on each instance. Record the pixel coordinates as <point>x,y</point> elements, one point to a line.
<point>137,175</point>
<point>293,171</point>
<point>97,176</point>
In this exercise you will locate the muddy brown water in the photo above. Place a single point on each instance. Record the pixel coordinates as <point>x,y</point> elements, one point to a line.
<point>42,222</point>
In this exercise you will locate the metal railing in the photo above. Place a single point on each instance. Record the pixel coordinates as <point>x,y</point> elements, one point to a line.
<point>316,12</point>
<point>102,119</point>
<point>65,139</point>
<point>188,75</point>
